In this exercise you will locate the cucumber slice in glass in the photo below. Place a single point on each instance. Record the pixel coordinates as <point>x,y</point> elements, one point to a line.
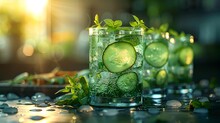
<point>161,77</point>
<point>186,56</point>
<point>156,54</point>
<point>127,82</point>
<point>119,56</point>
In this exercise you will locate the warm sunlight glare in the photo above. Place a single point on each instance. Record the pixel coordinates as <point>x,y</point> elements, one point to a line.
<point>35,7</point>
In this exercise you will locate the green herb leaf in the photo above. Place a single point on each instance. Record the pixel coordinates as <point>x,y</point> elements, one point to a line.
<point>117,23</point>
<point>197,104</point>
<point>173,32</point>
<point>136,18</point>
<point>77,88</point>
<point>133,24</point>
<point>138,23</point>
<point>112,25</point>
<point>97,22</point>
<point>164,27</point>
<point>109,22</point>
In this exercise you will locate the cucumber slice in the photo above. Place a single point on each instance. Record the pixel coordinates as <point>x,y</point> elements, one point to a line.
<point>119,56</point>
<point>156,54</point>
<point>127,82</point>
<point>161,77</point>
<point>186,56</point>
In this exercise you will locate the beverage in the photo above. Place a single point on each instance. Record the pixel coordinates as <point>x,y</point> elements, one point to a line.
<point>116,64</point>
<point>155,74</point>
<point>180,64</point>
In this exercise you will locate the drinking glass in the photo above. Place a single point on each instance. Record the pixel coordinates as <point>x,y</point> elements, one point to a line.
<point>116,64</point>
<point>180,66</point>
<point>155,74</point>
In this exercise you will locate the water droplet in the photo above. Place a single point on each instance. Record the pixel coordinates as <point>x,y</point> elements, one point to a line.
<point>110,112</point>
<point>173,104</point>
<point>3,105</point>
<point>10,110</point>
<point>12,96</point>
<point>36,110</point>
<point>42,105</point>
<point>85,108</point>
<point>37,117</point>
<point>51,109</point>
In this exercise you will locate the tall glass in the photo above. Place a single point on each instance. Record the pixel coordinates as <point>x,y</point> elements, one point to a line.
<point>116,64</point>
<point>180,66</point>
<point>155,74</point>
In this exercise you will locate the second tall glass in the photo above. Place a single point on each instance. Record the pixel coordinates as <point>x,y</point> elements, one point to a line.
<point>155,74</point>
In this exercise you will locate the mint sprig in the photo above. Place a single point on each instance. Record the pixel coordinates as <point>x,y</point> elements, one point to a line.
<point>197,104</point>
<point>113,24</point>
<point>138,23</point>
<point>77,91</point>
<point>97,22</point>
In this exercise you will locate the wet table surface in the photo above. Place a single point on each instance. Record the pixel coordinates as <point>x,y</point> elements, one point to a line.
<point>50,113</point>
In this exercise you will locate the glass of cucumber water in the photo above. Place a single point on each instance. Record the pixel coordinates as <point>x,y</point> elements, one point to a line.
<point>156,54</point>
<point>116,65</point>
<point>180,65</point>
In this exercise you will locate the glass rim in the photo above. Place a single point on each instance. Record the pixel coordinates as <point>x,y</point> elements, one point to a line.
<point>120,30</point>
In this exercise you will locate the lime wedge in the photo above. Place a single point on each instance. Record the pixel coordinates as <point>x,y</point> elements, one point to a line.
<point>161,77</point>
<point>127,82</point>
<point>156,54</point>
<point>119,56</point>
<point>186,56</point>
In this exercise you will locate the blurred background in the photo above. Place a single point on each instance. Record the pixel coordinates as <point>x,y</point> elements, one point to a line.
<point>37,36</point>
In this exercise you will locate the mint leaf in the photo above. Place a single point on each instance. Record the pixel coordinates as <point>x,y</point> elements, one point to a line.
<point>117,23</point>
<point>138,23</point>
<point>163,27</point>
<point>109,22</point>
<point>112,25</point>
<point>136,18</point>
<point>173,32</point>
<point>97,22</point>
<point>133,24</point>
